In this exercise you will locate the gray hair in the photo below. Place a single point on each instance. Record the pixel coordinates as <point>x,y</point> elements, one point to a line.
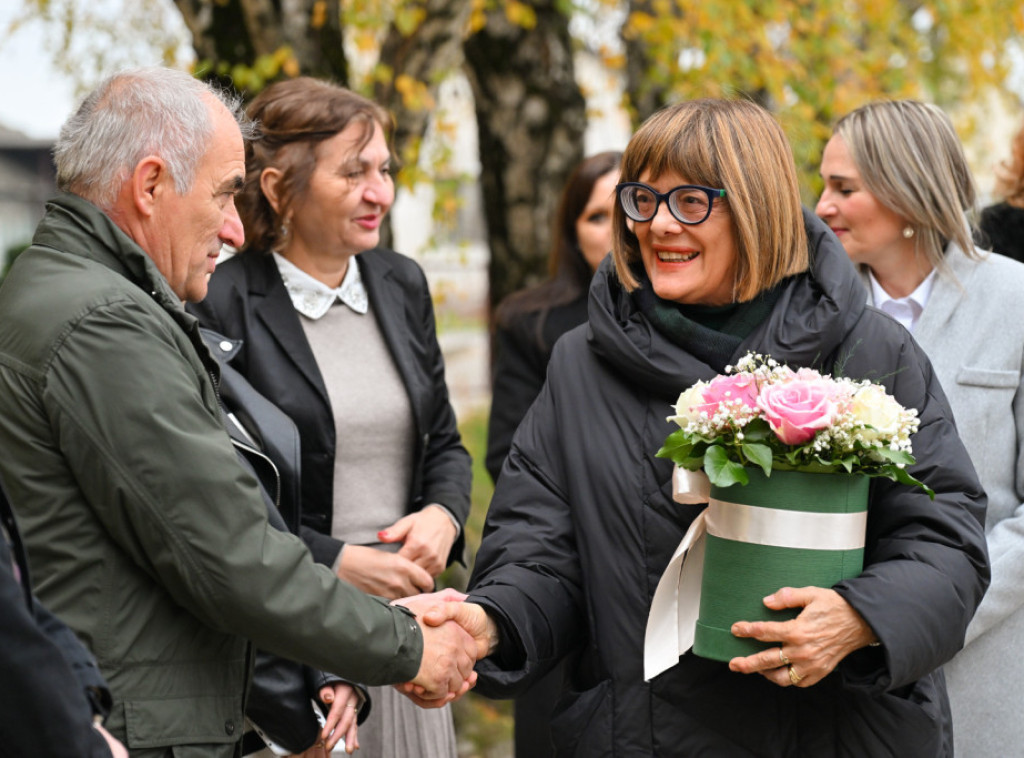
<point>132,114</point>
<point>910,158</point>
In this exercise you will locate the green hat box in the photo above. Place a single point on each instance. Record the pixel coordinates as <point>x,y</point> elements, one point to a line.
<point>739,575</point>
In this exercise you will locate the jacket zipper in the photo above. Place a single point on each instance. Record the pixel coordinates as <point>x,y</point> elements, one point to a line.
<point>264,456</point>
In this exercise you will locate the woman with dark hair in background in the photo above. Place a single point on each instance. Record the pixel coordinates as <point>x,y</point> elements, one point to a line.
<point>341,337</point>
<point>1002,224</point>
<point>527,324</point>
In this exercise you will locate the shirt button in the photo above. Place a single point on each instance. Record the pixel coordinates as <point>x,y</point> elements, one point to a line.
<point>225,346</point>
<point>229,727</point>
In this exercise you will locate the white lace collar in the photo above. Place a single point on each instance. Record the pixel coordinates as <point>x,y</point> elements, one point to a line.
<point>312,298</point>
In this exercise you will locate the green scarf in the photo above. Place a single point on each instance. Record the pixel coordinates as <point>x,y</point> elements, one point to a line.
<point>711,333</point>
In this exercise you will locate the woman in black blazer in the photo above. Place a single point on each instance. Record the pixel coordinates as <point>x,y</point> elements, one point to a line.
<point>344,342</point>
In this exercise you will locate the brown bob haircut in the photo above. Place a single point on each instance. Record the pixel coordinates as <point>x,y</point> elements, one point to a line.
<point>292,118</point>
<point>731,144</point>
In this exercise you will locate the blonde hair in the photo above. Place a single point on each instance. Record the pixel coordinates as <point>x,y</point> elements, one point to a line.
<point>909,157</point>
<point>731,144</point>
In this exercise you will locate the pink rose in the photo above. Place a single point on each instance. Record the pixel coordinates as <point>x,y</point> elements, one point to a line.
<point>729,388</point>
<point>797,409</point>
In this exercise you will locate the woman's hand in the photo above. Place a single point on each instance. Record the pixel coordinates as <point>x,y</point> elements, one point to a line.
<point>389,575</point>
<point>811,645</point>
<point>342,718</point>
<point>427,537</point>
<point>117,750</point>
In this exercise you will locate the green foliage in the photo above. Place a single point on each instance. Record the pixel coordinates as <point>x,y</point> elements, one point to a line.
<point>811,62</point>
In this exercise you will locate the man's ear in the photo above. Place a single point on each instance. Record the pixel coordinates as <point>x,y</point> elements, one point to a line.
<point>148,181</point>
<point>270,183</point>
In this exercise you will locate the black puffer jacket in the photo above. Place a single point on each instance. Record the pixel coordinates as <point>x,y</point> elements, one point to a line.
<point>582,525</point>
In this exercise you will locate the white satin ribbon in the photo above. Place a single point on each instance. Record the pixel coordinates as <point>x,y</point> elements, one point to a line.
<point>676,603</point>
<point>690,487</point>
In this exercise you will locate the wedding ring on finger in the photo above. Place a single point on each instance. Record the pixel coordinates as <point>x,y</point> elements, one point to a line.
<point>793,676</point>
<point>783,659</point>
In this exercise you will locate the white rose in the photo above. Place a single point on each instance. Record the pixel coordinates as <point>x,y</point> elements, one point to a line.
<point>687,401</point>
<point>874,407</point>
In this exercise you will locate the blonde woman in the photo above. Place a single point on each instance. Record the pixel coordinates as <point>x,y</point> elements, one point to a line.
<point>898,193</point>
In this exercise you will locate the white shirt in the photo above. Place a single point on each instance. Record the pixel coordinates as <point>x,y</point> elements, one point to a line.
<point>907,310</point>
<point>312,298</point>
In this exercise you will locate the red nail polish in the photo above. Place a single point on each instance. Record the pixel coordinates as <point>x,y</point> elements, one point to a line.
<point>382,534</point>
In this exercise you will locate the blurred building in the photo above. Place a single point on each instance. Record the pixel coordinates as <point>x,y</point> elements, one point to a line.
<point>26,183</point>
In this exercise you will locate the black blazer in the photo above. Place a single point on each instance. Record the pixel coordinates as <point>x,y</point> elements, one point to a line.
<point>521,355</point>
<point>247,301</point>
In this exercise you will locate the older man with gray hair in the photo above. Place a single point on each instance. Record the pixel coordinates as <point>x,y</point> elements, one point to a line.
<point>145,534</point>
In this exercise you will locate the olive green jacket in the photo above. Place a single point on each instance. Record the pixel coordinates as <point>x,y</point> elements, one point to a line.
<point>144,533</point>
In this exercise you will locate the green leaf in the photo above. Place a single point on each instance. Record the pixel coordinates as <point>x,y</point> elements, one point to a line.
<point>901,476</point>
<point>693,463</point>
<point>895,456</point>
<point>721,471</point>
<point>760,455</point>
<point>757,430</point>
<point>678,446</point>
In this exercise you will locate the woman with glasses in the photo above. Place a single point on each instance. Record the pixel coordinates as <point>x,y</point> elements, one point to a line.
<point>897,193</point>
<point>713,258</point>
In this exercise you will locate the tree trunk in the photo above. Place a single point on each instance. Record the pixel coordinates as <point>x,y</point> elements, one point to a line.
<point>648,82</point>
<point>531,117</point>
<point>425,54</point>
<point>422,55</point>
<point>241,31</point>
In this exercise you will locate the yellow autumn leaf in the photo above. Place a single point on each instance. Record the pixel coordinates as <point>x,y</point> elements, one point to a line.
<point>318,14</point>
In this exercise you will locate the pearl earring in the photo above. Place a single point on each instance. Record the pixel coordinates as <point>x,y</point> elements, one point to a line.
<point>908,232</point>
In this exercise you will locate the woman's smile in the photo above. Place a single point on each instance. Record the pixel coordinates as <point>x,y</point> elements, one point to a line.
<point>675,255</point>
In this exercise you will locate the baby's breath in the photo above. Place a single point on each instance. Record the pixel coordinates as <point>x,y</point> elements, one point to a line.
<point>862,429</point>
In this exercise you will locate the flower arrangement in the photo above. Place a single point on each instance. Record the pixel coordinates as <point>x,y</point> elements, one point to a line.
<point>761,413</point>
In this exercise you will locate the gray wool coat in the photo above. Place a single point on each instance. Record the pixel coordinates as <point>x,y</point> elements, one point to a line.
<point>972,329</point>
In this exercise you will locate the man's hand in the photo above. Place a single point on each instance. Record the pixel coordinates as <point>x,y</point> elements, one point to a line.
<point>427,537</point>
<point>438,607</point>
<point>446,669</point>
<point>376,572</point>
<point>442,610</point>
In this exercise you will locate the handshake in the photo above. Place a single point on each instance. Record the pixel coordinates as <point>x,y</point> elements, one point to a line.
<point>456,635</point>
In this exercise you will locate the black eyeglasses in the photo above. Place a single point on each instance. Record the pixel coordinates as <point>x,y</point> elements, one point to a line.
<point>688,203</point>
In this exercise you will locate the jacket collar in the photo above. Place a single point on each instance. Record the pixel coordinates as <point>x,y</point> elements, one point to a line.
<point>75,225</point>
<point>814,313</point>
<point>273,307</point>
<point>948,292</point>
